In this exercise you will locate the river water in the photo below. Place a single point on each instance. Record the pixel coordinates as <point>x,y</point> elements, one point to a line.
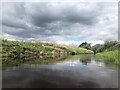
<point>75,71</point>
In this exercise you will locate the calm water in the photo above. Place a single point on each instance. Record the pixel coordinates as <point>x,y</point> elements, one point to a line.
<point>74,71</point>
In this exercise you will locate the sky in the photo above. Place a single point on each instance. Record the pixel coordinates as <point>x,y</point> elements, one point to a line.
<point>69,23</point>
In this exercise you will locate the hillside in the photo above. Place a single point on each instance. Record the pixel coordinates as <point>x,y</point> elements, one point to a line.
<point>15,49</point>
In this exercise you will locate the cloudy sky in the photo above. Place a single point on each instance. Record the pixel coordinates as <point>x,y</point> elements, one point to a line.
<point>60,22</point>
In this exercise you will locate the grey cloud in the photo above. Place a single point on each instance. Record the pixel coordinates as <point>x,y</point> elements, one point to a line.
<point>45,13</point>
<point>13,22</point>
<point>56,21</point>
<point>13,15</point>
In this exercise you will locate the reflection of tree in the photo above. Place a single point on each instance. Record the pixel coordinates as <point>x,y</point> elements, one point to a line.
<point>84,62</point>
<point>85,59</point>
<point>11,62</point>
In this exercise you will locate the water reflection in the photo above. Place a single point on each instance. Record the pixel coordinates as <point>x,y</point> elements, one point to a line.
<point>85,59</point>
<point>8,63</point>
<point>77,60</point>
<point>73,61</point>
<point>74,71</point>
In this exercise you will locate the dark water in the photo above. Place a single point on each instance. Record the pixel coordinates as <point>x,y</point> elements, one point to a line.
<point>75,71</point>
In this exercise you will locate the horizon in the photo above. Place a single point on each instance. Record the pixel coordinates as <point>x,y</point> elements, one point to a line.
<point>67,44</point>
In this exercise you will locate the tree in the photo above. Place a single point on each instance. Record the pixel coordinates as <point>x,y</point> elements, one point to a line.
<point>107,46</point>
<point>97,48</point>
<point>85,45</point>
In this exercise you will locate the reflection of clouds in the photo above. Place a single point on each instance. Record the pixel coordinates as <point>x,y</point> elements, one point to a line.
<point>100,64</point>
<point>94,63</point>
<point>70,63</point>
<point>104,73</point>
<point>64,71</point>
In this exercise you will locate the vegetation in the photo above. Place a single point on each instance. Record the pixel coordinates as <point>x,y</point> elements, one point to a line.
<point>85,45</point>
<point>107,46</point>
<point>109,51</point>
<point>15,52</point>
<point>19,49</point>
<point>109,56</point>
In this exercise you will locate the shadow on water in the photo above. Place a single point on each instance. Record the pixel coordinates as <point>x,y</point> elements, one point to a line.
<point>81,71</point>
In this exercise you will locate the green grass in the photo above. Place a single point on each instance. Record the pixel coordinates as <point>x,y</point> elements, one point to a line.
<point>15,48</point>
<point>77,50</point>
<point>15,53</point>
<point>109,56</point>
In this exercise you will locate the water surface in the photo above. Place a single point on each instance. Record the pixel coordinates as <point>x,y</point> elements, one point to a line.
<point>74,71</point>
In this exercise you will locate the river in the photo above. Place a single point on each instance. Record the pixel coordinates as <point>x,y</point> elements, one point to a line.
<point>75,71</point>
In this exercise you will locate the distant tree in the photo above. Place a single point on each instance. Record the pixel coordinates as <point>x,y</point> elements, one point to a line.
<point>107,46</point>
<point>85,45</point>
<point>97,48</point>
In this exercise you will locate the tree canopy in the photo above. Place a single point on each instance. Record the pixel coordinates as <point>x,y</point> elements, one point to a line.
<point>85,45</point>
<point>107,46</point>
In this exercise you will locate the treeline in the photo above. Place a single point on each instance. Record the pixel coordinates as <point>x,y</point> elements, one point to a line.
<point>108,52</point>
<point>107,46</point>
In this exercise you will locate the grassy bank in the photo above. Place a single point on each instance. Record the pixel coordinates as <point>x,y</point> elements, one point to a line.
<point>15,53</point>
<point>109,56</point>
<point>17,49</point>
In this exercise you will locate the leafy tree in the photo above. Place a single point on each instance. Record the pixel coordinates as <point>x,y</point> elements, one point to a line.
<point>107,46</point>
<point>97,48</point>
<point>85,45</point>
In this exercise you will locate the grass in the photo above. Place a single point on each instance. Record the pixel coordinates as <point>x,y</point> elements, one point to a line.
<point>15,53</point>
<point>18,49</point>
<point>77,50</point>
<point>109,56</point>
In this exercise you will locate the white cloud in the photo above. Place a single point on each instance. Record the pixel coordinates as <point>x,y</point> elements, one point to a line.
<point>71,43</point>
<point>55,22</point>
<point>77,43</point>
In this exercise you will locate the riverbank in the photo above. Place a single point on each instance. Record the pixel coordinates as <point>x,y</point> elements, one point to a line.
<point>15,49</point>
<point>109,56</point>
<point>15,53</point>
